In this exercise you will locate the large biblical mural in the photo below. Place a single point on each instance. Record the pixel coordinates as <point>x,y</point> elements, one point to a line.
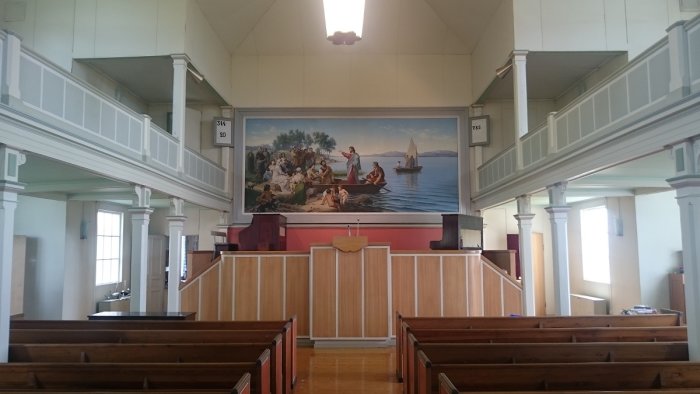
<point>331,164</point>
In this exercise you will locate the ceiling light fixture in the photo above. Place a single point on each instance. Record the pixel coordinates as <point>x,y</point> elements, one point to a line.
<point>344,20</point>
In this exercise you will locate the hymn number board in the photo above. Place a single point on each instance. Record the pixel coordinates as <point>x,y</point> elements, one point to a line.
<point>223,132</point>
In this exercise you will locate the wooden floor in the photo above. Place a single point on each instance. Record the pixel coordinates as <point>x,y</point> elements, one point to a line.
<point>327,371</point>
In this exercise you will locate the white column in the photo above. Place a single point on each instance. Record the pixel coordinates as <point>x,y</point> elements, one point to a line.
<point>524,218</point>
<point>140,217</point>
<point>179,102</point>
<point>687,185</point>
<point>558,216</point>
<point>176,225</point>
<point>520,101</point>
<point>11,55</point>
<point>679,84</point>
<point>227,155</point>
<point>10,160</point>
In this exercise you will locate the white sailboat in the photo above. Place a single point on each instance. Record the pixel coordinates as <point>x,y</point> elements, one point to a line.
<point>410,160</point>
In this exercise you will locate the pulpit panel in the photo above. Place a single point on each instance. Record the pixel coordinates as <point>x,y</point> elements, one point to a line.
<point>210,291</point>
<point>475,287</point>
<point>246,294</point>
<point>297,291</point>
<point>512,299</point>
<point>377,292</point>
<point>349,294</point>
<point>429,287</point>
<point>454,280</point>
<point>493,306</point>
<point>189,298</point>
<point>403,286</point>
<point>271,288</point>
<point>323,302</point>
<point>226,299</point>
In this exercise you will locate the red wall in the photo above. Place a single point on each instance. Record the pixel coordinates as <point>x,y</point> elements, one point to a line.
<point>399,238</point>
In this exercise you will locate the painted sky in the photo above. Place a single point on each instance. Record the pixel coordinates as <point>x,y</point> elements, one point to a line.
<point>368,135</point>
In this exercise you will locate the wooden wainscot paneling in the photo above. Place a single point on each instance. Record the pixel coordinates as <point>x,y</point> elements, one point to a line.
<point>209,295</point>
<point>454,280</point>
<point>246,288</point>
<point>271,288</point>
<point>512,298</point>
<point>492,292</point>
<point>475,288</point>
<point>189,298</point>
<point>297,292</point>
<point>429,288</point>
<point>403,286</point>
<point>226,298</point>
<point>376,292</point>
<point>349,294</point>
<point>323,302</point>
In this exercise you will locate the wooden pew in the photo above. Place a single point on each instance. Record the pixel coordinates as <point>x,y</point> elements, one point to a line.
<point>153,353</point>
<point>134,376</point>
<point>289,328</point>
<point>520,353</point>
<point>558,377</point>
<point>403,323</point>
<point>446,387</point>
<point>77,336</point>
<point>535,335</point>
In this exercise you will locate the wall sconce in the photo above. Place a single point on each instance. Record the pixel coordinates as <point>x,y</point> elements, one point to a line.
<point>344,20</point>
<point>502,71</point>
<point>199,78</point>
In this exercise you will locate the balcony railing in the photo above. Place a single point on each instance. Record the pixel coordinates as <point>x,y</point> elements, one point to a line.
<point>656,80</point>
<point>74,109</point>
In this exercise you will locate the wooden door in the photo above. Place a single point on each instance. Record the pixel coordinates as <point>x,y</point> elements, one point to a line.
<point>156,273</point>
<point>538,268</point>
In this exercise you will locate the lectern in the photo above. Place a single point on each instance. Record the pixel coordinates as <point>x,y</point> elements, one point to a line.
<point>460,232</point>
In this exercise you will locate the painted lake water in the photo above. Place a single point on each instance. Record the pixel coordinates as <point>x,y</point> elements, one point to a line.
<point>433,189</point>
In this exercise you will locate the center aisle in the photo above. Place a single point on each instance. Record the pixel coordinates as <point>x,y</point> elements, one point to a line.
<point>327,371</point>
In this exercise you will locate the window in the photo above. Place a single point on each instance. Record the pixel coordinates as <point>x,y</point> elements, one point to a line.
<point>594,244</point>
<point>108,267</point>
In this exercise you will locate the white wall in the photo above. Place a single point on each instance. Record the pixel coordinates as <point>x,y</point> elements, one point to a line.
<point>566,25</point>
<point>45,222</point>
<point>207,52</point>
<point>658,250</point>
<point>108,86</point>
<point>124,28</point>
<point>46,26</point>
<point>624,288</point>
<point>78,283</point>
<point>494,48</point>
<point>345,79</point>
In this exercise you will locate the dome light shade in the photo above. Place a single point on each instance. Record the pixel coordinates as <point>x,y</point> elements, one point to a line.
<point>344,20</point>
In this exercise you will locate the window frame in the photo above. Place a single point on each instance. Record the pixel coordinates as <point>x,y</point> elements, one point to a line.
<point>116,274</point>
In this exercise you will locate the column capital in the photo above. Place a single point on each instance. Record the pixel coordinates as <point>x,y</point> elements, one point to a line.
<point>519,53</point>
<point>524,205</point>
<point>12,187</point>
<point>176,219</point>
<point>180,58</point>
<point>524,218</point>
<point>177,206</point>
<point>557,194</point>
<point>10,160</point>
<point>142,197</point>
<point>557,210</point>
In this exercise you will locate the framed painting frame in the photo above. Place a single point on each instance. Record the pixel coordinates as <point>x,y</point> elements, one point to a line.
<point>246,118</point>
